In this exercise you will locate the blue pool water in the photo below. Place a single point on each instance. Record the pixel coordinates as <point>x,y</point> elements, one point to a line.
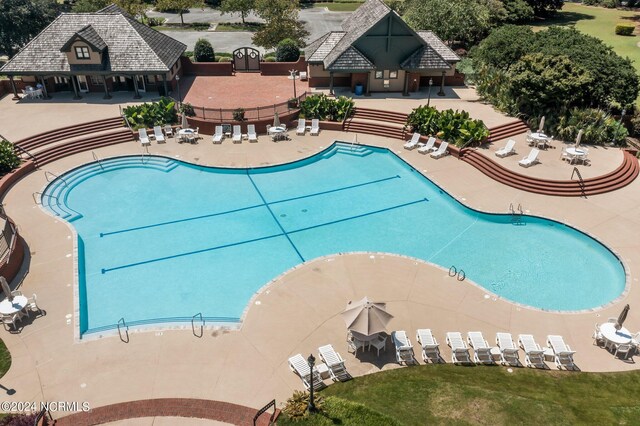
<point>163,240</point>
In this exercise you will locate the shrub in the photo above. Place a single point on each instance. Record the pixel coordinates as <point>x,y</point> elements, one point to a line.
<point>238,114</point>
<point>151,114</point>
<point>225,59</point>
<point>296,406</point>
<point>599,127</point>
<point>187,109</point>
<point>323,107</point>
<point>9,160</point>
<point>19,420</point>
<point>155,22</point>
<point>287,51</point>
<point>625,29</point>
<point>203,51</point>
<point>188,54</point>
<point>456,127</point>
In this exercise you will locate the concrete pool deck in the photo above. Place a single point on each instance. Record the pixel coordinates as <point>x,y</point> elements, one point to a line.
<point>300,310</point>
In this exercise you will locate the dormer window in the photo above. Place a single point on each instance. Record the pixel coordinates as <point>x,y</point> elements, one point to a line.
<point>82,52</point>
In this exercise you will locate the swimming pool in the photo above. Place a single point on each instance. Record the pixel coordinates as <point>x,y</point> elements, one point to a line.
<point>160,240</point>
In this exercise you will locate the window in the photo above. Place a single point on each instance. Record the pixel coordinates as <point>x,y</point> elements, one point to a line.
<point>95,80</point>
<point>82,52</point>
<point>393,74</point>
<point>379,75</point>
<point>386,84</point>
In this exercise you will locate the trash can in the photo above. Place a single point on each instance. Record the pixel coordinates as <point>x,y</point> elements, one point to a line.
<point>359,88</point>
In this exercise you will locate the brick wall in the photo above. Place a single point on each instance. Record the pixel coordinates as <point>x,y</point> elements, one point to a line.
<point>282,68</point>
<point>208,126</point>
<point>205,68</point>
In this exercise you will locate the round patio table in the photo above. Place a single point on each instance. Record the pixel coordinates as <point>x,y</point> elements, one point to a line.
<point>183,133</point>
<point>10,308</point>
<point>364,338</point>
<point>613,336</point>
<point>576,154</point>
<point>276,129</point>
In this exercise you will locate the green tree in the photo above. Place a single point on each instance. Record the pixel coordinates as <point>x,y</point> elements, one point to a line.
<point>518,11</point>
<point>243,7</point>
<point>281,21</point>
<point>9,160</point>
<point>88,6</point>
<point>287,51</point>
<point>464,21</point>
<point>203,51</point>
<point>545,7</point>
<point>504,46</point>
<point>132,7</point>
<point>21,20</point>
<point>179,6</point>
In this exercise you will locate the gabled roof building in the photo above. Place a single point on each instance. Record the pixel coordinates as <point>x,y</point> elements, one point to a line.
<point>106,50</point>
<point>378,50</point>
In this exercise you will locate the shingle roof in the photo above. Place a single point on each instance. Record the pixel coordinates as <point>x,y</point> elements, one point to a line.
<point>328,42</point>
<point>132,46</point>
<point>351,59</point>
<point>439,46</point>
<point>425,58</point>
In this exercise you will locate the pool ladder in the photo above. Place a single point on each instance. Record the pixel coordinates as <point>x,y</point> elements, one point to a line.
<point>48,174</point>
<point>458,273</point>
<point>516,214</point>
<point>96,158</point>
<point>123,330</point>
<point>201,324</point>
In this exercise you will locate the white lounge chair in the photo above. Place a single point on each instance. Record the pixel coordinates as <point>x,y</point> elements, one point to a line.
<point>315,127</point>
<point>404,348</point>
<point>441,151</point>
<point>508,349</point>
<point>217,137</point>
<point>157,132</point>
<point>459,349</point>
<point>144,138</point>
<point>428,147</point>
<point>430,349</point>
<point>530,159</point>
<point>415,140</point>
<point>508,149</point>
<point>251,133</point>
<point>481,349</point>
<point>533,353</point>
<point>299,365</point>
<point>237,134</point>
<point>301,126</point>
<point>561,352</point>
<point>335,363</point>
<point>168,130</point>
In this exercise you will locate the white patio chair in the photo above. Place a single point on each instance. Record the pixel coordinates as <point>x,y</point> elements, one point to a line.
<point>404,348</point>
<point>429,344</point>
<point>354,344</point>
<point>237,134</point>
<point>315,127</point>
<point>481,349</point>
<point>428,147</point>
<point>625,351</point>
<point>299,365</point>
<point>529,138</point>
<point>217,137</point>
<point>251,133</point>
<point>168,130</point>
<point>508,149</point>
<point>530,159</point>
<point>10,320</point>
<point>459,349</point>
<point>508,349</point>
<point>144,138</point>
<point>301,126</point>
<point>379,343</point>
<point>598,338</point>
<point>303,75</point>
<point>157,133</point>
<point>415,140</point>
<point>441,151</point>
<point>561,351</point>
<point>533,353</point>
<point>32,304</point>
<point>334,362</point>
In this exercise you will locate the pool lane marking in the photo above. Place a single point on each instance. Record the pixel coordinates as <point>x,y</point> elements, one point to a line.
<point>172,222</point>
<point>284,234</point>
<point>344,188</point>
<point>274,216</point>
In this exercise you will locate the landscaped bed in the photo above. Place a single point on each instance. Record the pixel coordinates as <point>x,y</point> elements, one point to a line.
<point>448,394</point>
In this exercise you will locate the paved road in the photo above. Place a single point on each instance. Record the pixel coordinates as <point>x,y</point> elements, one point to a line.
<point>318,21</point>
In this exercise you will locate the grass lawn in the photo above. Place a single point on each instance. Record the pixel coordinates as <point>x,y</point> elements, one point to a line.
<point>448,394</point>
<point>600,22</point>
<point>238,26</point>
<point>339,7</point>
<point>197,26</point>
<point>5,363</point>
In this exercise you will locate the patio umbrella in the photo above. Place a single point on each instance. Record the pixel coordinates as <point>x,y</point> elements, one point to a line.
<point>276,120</point>
<point>6,289</point>
<point>185,124</point>
<point>622,316</point>
<point>541,127</point>
<point>579,137</point>
<point>366,317</point>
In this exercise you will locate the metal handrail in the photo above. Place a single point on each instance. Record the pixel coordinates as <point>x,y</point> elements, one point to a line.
<point>580,180</point>
<point>95,157</point>
<point>464,145</point>
<point>30,155</point>
<point>126,330</point>
<point>193,325</point>
<point>55,176</point>
<point>453,271</point>
<point>263,410</point>
<point>12,244</point>
<point>226,114</point>
<point>41,415</point>
<point>461,275</point>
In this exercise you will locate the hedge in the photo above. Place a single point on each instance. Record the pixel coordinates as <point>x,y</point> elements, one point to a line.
<point>625,29</point>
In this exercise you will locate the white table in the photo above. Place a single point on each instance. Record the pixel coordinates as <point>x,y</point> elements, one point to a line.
<point>576,154</point>
<point>278,133</point>
<point>613,336</point>
<point>540,139</point>
<point>184,133</point>
<point>34,93</point>
<point>10,308</point>
<point>277,129</point>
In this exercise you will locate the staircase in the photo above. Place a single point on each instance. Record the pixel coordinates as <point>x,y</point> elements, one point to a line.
<point>620,177</point>
<point>50,146</point>
<point>507,130</point>
<point>376,122</point>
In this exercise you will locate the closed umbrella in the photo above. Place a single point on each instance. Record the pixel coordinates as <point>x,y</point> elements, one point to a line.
<point>541,127</point>
<point>366,317</point>
<point>622,316</point>
<point>579,137</point>
<point>185,124</point>
<point>6,289</point>
<point>276,120</point>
